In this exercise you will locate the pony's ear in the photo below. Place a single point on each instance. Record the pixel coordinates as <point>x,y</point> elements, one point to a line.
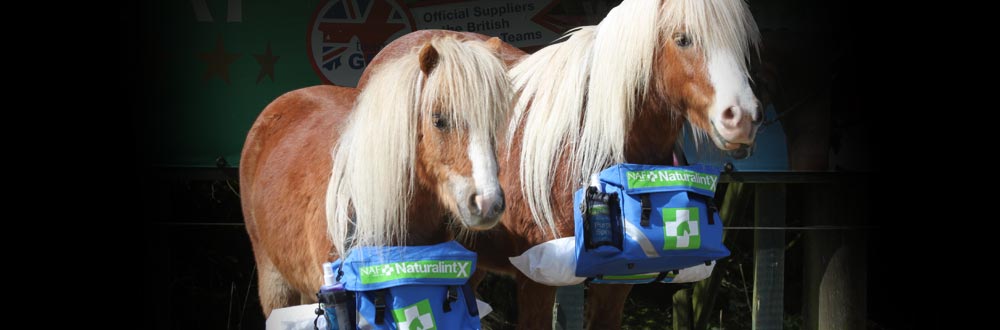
<point>494,44</point>
<point>428,58</point>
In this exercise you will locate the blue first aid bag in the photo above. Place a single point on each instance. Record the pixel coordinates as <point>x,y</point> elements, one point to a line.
<point>644,223</point>
<point>412,287</point>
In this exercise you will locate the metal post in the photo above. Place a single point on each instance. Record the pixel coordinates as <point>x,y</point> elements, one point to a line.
<point>568,308</point>
<point>769,258</point>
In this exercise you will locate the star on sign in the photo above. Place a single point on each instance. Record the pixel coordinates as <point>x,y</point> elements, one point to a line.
<point>266,62</point>
<point>218,61</point>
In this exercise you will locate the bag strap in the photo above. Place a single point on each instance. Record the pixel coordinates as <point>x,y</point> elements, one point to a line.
<point>584,207</point>
<point>647,208</point>
<point>379,306</point>
<point>663,275</point>
<point>470,300</point>
<point>451,297</point>
<point>709,205</point>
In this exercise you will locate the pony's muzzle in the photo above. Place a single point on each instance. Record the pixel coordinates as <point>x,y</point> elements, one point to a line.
<point>486,208</point>
<point>735,127</point>
<point>490,206</point>
<point>738,124</point>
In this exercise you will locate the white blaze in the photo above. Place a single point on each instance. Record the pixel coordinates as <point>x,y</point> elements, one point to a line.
<point>732,88</point>
<point>484,165</point>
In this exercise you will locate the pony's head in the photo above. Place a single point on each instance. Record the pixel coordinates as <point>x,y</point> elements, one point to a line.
<point>690,54</point>
<point>467,96</point>
<point>424,124</point>
<point>683,58</point>
<point>701,66</point>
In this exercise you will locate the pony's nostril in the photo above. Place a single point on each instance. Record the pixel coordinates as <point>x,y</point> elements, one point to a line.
<point>498,207</point>
<point>501,204</point>
<point>729,114</point>
<point>474,204</point>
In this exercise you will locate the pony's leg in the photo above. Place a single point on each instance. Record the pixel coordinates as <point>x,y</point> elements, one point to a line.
<point>534,304</point>
<point>275,292</point>
<point>604,305</point>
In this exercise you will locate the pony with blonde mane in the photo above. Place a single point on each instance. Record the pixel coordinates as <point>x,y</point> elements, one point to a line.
<point>413,155</point>
<point>619,91</point>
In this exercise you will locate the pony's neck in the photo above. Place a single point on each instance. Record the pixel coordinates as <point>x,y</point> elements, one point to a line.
<point>652,134</point>
<point>426,219</point>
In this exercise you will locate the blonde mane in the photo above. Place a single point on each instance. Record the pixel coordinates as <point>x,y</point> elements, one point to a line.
<point>585,92</point>
<point>373,174</point>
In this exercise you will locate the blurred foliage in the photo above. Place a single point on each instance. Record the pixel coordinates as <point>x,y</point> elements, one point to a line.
<point>501,293</point>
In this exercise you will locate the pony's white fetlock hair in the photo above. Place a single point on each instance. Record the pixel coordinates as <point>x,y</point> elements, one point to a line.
<point>585,92</point>
<point>373,174</point>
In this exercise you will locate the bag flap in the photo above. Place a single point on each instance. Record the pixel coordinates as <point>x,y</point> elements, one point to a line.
<point>373,268</point>
<point>638,179</point>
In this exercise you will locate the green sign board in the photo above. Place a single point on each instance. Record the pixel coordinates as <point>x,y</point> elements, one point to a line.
<point>218,63</point>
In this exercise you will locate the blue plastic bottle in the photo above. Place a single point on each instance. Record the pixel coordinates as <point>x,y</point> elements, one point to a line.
<point>335,300</point>
<point>600,216</point>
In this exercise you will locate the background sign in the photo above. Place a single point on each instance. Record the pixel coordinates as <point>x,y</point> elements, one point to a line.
<point>217,63</point>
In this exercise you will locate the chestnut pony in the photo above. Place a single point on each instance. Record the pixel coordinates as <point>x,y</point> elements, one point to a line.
<point>412,154</point>
<point>619,91</point>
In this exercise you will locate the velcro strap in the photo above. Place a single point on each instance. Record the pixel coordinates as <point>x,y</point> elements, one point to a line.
<point>647,208</point>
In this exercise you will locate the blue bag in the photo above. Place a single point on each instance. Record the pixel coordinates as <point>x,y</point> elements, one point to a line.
<point>649,222</point>
<point>412,287</point>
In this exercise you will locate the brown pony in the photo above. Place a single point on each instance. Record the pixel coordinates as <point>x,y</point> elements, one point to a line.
<point>619,91</point>
<point>412,153</point>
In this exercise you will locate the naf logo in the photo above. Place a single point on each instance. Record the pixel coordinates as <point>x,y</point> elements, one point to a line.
<point>344,35</point>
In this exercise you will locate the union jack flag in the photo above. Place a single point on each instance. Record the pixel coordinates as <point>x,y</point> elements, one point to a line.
<point>373,22</point>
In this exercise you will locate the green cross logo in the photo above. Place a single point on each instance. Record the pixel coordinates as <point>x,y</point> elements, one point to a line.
<point>415,317</point>
<point>680,228</point>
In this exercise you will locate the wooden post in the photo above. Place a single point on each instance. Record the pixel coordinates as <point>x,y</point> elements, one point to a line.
<point>834,282</point>
<point>682,310</point>
<point>769,258</point>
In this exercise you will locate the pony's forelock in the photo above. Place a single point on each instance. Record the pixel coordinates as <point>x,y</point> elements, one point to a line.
<point>720,28</point>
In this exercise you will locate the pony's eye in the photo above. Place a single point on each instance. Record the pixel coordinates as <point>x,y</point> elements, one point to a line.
<point>440,122</point>
<point>682,40</point>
